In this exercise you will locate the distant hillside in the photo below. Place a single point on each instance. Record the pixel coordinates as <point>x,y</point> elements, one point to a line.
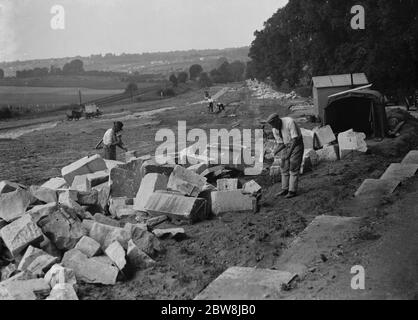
<point>145,63</point>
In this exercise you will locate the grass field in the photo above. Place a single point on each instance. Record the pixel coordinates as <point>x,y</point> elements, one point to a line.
<point>92,82</point>
<point>32,96</point>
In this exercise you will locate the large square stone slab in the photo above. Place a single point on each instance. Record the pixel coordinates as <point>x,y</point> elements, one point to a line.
<point>246,284</point>
<point>400,172</point>
<point>411,157</point>
<point>377,188</point>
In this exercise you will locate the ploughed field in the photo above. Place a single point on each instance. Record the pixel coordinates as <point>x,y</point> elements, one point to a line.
<point>188,266</point>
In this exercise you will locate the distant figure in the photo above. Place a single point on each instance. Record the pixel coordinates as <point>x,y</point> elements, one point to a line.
<point>210,101</point>
<point>112,139</point>
<point>221,107</point>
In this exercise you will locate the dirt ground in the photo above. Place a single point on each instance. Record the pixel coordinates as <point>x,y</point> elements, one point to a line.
<point>250,240</point>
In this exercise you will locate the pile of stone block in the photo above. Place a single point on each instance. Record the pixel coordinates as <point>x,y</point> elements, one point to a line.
<point>321,145</point>
<point>99,221</point>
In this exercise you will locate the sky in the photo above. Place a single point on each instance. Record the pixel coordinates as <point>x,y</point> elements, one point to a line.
<point>130,26</point>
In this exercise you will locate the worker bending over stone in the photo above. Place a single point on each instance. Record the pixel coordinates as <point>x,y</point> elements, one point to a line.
<point>112,139</point>
<point>290,144</point>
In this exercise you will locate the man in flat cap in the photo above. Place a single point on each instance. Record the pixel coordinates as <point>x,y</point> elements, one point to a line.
<point>112,139</point>
<point>290,144</point>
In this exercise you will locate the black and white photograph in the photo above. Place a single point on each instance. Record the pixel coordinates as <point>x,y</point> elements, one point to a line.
<point>208,155</point>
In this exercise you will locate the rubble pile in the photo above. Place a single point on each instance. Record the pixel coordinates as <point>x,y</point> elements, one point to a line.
<point>99,221</point>
<point>261,90</point>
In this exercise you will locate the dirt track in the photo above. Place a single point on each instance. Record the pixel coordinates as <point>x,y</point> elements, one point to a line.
<point>232,240</point>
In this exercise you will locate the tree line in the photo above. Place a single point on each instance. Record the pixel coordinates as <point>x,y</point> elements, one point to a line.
<point>74,67</point>
<point>224,72</point>
<point>312,38</point>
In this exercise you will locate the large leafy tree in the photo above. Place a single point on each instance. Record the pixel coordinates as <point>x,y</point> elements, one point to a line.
<point>195,71</point>
<point>307,38</point>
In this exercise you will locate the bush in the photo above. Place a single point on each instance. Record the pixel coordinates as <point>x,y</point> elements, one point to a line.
<point>5,112</point>
<point>304,92</point>
<point>169,92</point>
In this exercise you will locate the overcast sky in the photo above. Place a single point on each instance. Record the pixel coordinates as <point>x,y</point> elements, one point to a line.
<point>131,26</point>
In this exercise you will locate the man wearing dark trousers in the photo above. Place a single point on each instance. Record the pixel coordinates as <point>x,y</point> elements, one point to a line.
<point>290,144</point>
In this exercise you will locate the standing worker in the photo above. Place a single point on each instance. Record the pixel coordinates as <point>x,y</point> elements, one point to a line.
<point>210,101</point>
<point>112,139</point>
<point>290,143</point>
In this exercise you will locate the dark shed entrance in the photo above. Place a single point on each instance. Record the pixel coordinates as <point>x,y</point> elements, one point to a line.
<point>362,111</point>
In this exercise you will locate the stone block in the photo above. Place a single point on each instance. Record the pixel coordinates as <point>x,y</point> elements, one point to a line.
<point>232,202</point>
<point>116,204</point>
<point>97,178</point>
<point>110,164</point>
<point>44,194</point>
<point>96,270</point>
<point>7,186</point>
<point>106,235</point>
<point>33,289</point>
<point>103,196</point>
<point>177,207</point>
<point>325,136</point>
<point>100,218</point>
<point>83,166</point>
<point>55,184</point>
<point>137,258</point>
<point>14,204</point>
<point>124,183</point>
<point>350,142</point>
<point>151,223</point>
<point>7,272</point>
<point>150,183</point>
<point>63,228</point>
<point>59,275</point>
<point>227,184</point>
<point>18,235</point>
<point>198,168</point>
<point>90,198</point>
<point>63,291</point>
<point>308,138</point>
<point>127,212</point>
<point>88,246</point>
<point>146,241</point>
<point>38,212</point>
<point>329,153</point>
<point>151,166</point>
<point>173,233</point>
<point>212,170</point>
<point>238,283</point>
<point>251,187</point>
<point>186,182</point>
<point>400,172</point>
<point>81,183</point>
<point>377,188</point>
<point>117,254</point>
<point>411,157</point>
<point>36,261</point>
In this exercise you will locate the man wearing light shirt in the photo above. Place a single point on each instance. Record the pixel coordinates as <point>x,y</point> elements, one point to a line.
<point>112,139</point>
<point>290,144</point>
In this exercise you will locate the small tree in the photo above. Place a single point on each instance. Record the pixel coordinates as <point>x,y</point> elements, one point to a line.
<point>174,80</point>
<point>1,73</point>
<point>204,80</point>
<point>131,88</point>
<point>182,77</point>
<point>195,71</point>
